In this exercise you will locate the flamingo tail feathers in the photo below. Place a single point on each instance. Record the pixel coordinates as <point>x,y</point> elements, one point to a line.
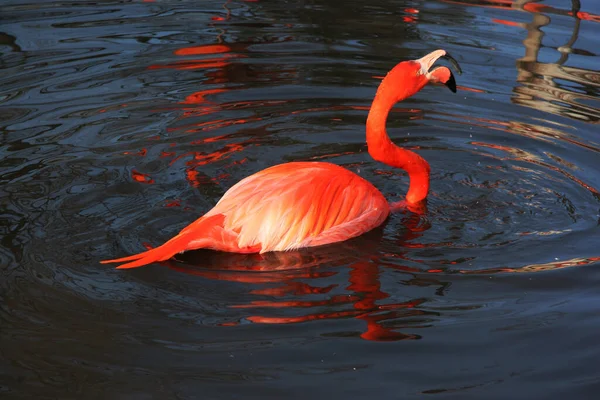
<point>193,233</point>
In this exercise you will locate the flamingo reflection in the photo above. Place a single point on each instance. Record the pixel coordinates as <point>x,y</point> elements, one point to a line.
<point>286,275</point>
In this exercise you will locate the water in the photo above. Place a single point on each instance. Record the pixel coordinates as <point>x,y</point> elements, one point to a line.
<point>124,121</point>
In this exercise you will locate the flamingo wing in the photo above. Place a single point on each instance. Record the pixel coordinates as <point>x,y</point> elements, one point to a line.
<point>300,204</point>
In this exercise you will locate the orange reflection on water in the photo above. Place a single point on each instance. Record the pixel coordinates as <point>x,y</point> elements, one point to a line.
<point>517,154</point>
<point>200,96</point>
<point>204,49</point>
<point>217,56</point>
<point>364,304</point>
<point>366,286</point>
<point>290,283</point>
<point>140,153</point>
<point>508,23</point>
<point>199,159</point>
<point>215,62</point>
<point>140,177</point>
<point>219,71</point>
<point>173,203</point>
<point>411,19</point>
<point>538,132</point>
<point>469,89</point>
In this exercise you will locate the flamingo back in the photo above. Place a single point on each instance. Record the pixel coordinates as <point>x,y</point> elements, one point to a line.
<point>300,204</point>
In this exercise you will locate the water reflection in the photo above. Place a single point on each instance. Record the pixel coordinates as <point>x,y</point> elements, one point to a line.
<point>548,86</point>
<point>222,72</point>
<point>292,280</point>
<point>540,88</point>
<point>551,266</point>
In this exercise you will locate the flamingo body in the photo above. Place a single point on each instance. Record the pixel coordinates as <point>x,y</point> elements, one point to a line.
<point>284,207</point>
<point>299,204</point>
<point>306,204</point>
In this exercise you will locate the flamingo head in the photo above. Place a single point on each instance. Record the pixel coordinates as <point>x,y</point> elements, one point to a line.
<point>409,77</point>
<point>439,74</point>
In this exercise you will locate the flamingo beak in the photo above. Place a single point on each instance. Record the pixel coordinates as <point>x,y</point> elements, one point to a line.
<point>430,59</point>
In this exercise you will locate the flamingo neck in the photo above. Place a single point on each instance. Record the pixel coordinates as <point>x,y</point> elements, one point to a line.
<point>382,149</point>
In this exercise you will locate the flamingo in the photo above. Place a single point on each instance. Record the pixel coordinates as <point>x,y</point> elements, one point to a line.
<point>304,204</point>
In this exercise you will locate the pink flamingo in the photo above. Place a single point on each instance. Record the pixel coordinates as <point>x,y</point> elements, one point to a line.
<point>305,204</point>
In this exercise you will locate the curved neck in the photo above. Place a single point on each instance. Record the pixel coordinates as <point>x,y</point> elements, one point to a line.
<point>382,149</point>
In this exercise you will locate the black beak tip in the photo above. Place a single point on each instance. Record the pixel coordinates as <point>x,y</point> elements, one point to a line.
<point>451,83</point>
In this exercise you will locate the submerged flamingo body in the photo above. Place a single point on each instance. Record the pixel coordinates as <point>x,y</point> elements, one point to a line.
<point>305,204</point>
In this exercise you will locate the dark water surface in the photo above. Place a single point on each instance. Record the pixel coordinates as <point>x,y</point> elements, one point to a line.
<point>122,121</point>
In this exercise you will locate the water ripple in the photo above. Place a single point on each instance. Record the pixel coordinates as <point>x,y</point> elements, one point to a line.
<point>114,139</point>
